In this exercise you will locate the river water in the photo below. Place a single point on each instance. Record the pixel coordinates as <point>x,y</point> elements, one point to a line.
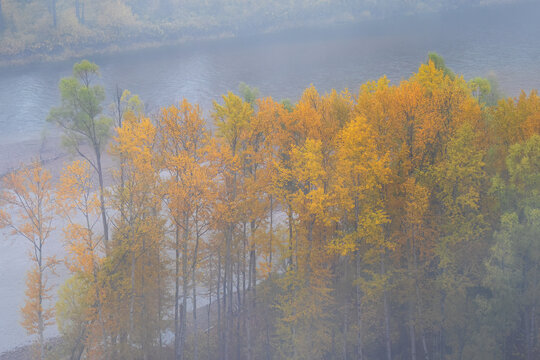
<point>503,41</point>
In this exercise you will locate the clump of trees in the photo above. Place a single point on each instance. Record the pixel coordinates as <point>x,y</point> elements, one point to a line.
<point>401,222</point>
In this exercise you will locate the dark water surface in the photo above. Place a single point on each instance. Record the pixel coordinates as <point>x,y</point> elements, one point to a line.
<point>504,40</point>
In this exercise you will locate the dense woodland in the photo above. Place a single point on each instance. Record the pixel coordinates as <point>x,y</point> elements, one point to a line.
<point>401,221</point>
<point>33,30</point>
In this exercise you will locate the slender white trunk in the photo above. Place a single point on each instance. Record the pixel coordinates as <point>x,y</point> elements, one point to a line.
<point>359,343</point>
<point>177,293</point>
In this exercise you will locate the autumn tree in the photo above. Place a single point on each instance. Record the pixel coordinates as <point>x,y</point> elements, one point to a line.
<point>306,185</point>
<point>362,170</point>
<point>76,199</point>
<point>513,120</point>
<point>28,211</point>
<point>398,222</point>
<point>184,147</point>
<point>132,273</point>
<point>231,119</point>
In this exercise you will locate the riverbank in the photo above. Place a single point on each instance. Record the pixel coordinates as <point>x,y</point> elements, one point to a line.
<point>131,29</point>
<point>59,54</point>
<point>57,46</point>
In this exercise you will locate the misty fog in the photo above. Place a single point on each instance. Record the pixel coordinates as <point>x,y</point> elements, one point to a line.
<point>282,179</point>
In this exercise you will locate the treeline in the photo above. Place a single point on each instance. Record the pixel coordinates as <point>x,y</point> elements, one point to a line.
<point>56,29</point>
<point>399,222</point>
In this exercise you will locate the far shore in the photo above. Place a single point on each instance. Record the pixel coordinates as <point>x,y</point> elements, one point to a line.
<point>44,54</point>
<point>65,54</point>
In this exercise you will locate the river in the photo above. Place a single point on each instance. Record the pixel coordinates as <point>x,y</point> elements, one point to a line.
<point>502,40</point>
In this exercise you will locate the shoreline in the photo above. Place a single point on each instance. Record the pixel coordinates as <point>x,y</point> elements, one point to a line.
<point>158,38</point>
<point>151,42</point>
<point>51,154</point>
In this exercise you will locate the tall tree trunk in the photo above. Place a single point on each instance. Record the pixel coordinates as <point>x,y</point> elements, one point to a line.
<point>253,267</point>
<point>185,277</point>
<point>195,326</point>
<point>412,334</point>
<point>251,302</point>
<point>41,325</point>
<point>442,340</point>
<point>345,315</point>
<point>411,305</point>
<point>132,300</point>
<point>194,285</point>
<point>386,314</point>
<point>359,343</point>
<point>240,304</point>
<point>242,307</point>
<point>528,317</point>
<point>144,310</point>
<point>267,337</point>
<point>271,234</point>
<point>228,295</point>
<point>226,282</point>
<point>219,320</point>
<point>160,304</point>
<point>209,311</point>
<point>177,292</point>
<point>102,200</point>
<point>532,331</point>
<point>290,223</point>
<point>247,304</point>
<point>419,300</point>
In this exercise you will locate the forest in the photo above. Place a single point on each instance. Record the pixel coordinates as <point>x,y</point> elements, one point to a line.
<point>401,221</point>
<point>37,30</point>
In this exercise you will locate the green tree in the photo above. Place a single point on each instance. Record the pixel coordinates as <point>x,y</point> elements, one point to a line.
<point>481,89</point>
<point>72,309</point>
<point>514,263</point>
<point>86,130</point>
<point>250,94</point>
<point>440,64</point>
